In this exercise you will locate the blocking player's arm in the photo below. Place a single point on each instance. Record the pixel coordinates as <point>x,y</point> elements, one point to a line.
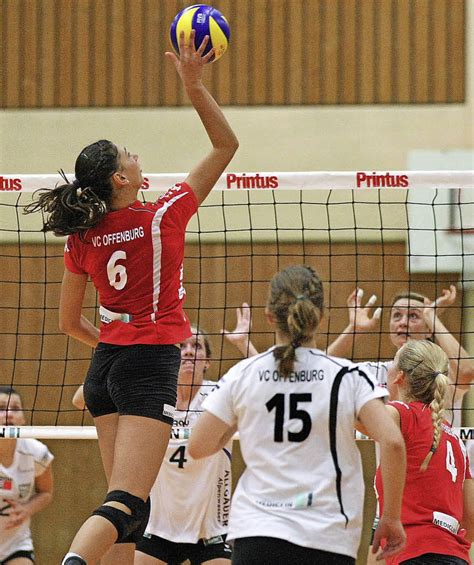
<point>210,434</point>
<point>468,510</point>
<point>71,320</point>
<point>379,422</point>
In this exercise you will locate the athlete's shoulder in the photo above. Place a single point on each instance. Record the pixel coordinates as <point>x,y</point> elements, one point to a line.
<point>265,358</point>
<point>336,363</point>
<point>176,192</point>
<point>206,388</point>
<point>33,448</point>
<point>399,405</point>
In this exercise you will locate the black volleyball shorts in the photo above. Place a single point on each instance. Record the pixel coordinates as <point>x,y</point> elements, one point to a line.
<point>133,380</point>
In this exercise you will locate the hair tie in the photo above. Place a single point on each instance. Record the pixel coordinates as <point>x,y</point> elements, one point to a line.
<point>433,449</point>
<point>295,344</point>
<point>436,373</point>
<point>76,184</point>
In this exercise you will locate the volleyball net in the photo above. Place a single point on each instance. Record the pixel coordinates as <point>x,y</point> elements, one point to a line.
<point>382,232</point>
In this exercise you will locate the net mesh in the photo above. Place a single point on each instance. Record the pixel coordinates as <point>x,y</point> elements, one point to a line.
<point>383,239</point>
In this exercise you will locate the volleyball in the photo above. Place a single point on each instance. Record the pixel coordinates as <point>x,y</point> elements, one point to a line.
<point>205,20</point>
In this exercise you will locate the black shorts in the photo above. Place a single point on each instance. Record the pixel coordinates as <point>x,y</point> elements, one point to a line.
<point>274,551</point>
<point>133,380</point>
<point>176,553</point>
<point>28,554</point>
<point>434,559</point>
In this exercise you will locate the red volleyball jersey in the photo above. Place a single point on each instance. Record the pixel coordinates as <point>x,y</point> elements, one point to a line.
<point>432,500</point>
<point>135,260</point>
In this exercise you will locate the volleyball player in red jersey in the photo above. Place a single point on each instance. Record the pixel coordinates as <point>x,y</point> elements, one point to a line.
<point>133,253</point>
<point>438,500</point>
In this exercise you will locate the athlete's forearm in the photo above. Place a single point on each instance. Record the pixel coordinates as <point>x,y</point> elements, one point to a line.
<point>37,502</point>
<point>461,363</point>
<point>343,345</point>
<point>215,123</point>
<point>83,331</point>
<point>393,467</point>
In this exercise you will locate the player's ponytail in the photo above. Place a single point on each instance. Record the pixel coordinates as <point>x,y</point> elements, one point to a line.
<point>80,205</point>
<point>426,367</point>
<point>296,301</point>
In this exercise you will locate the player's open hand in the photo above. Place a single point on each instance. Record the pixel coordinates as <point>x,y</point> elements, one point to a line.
<point>433,308</point>
<point>239,336</point>
<point>393,534</point>
<point>360,317</point>
<point>191,61</point>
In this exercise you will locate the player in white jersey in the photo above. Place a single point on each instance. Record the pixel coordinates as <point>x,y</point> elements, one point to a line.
<point>26,484</point>
<point>190,500</point>
<point>412,316</point>
<point>300,498</point>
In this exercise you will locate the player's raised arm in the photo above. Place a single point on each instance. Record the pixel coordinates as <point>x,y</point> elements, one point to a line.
<point>190,66</point>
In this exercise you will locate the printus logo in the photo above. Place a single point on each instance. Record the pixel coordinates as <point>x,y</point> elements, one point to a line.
<point>10,184</point>
<point>254,181</point>
<point>387,180</point>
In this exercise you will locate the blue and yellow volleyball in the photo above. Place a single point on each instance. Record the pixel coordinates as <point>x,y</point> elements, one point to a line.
<point>205,20</point>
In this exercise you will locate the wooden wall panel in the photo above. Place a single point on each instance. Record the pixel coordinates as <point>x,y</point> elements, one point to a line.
<point>420,57</point>
<point>367,21</point>
<point>110,53</point>
<point>348,51</point>
<point>438,51</point>
<point>383,39</point>
<point>456,51</point>
<point>402,66</point>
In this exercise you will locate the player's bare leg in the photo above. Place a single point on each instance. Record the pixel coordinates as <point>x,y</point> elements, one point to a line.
<point>134,470</point>
<point>144,559</point>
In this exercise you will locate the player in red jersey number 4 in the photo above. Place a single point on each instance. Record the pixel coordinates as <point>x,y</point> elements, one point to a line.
<point>438,500</point>
<point>133,253</point>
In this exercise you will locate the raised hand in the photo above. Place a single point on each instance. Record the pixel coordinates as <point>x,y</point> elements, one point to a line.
<point>240,336</point>
<point>433,308</point>
<point>191,60</point>
<point>359,316</point>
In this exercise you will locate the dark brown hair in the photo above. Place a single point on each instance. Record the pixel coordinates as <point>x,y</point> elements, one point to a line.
<point>80,205</point>
<point>296,300</point>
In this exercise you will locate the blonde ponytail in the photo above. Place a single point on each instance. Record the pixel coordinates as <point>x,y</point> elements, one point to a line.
<point>437,415</point>
<point>426,367</point>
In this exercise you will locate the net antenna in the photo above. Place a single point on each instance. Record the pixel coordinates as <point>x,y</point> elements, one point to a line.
<point>382,231</point>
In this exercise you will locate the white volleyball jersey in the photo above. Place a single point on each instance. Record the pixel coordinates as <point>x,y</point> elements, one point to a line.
<point>303,481</point>
<point>17,483</point>
<point>379,370</point>
<point>190,499</point>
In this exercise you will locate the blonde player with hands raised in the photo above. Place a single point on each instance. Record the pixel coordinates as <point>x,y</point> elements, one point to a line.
<point>412,316</point>
<point>300,497</point>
